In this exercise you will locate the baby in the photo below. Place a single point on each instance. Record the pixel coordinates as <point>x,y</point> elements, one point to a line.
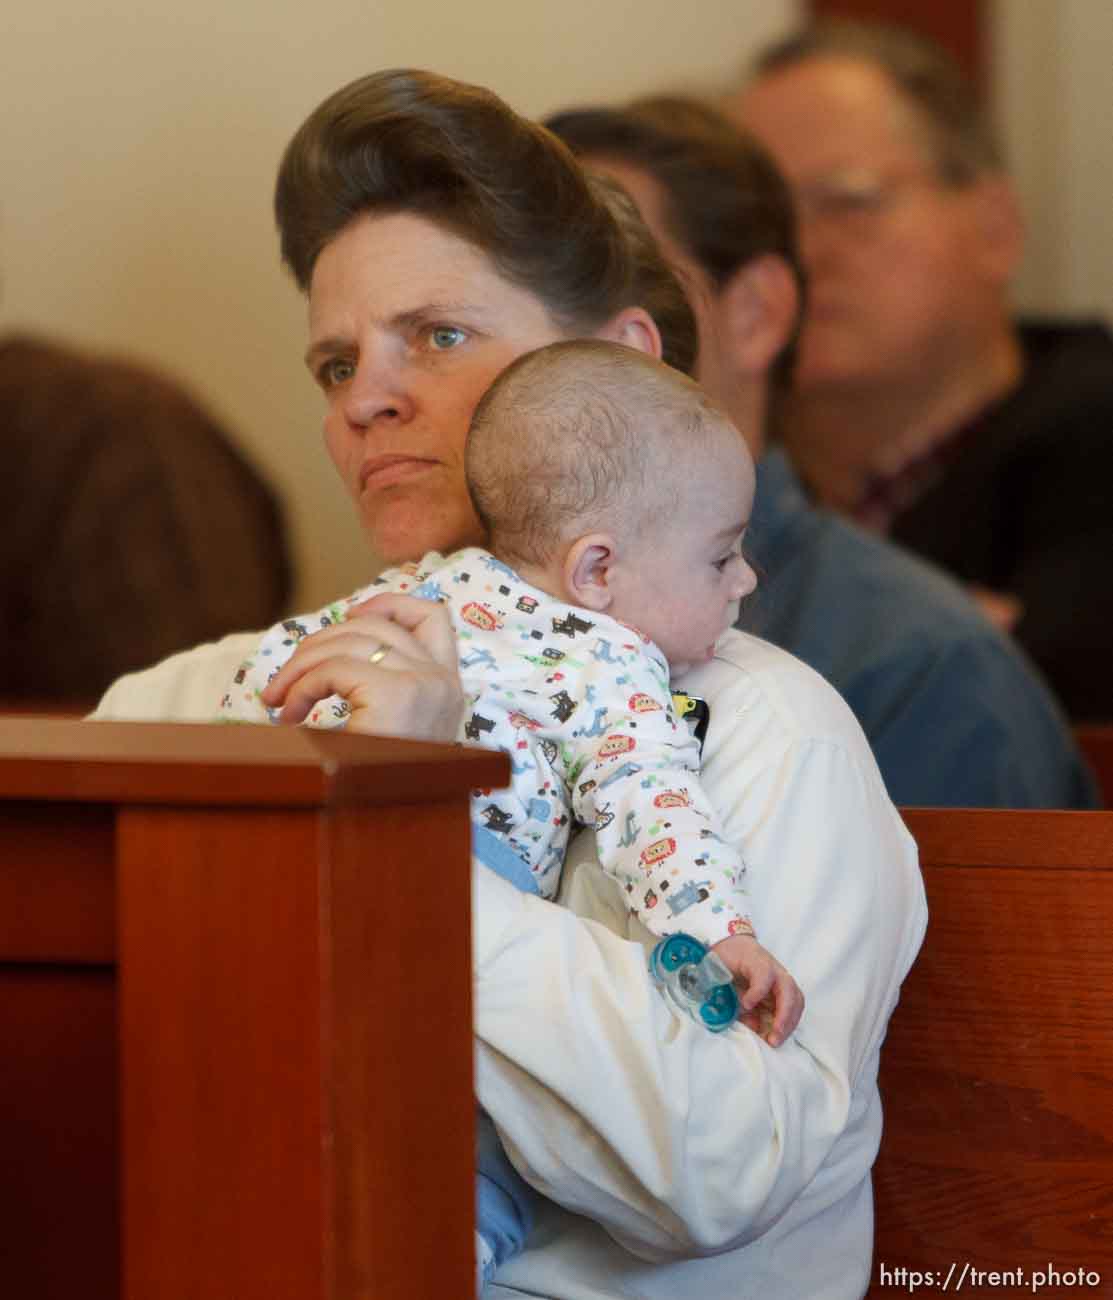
<point>615,498</point>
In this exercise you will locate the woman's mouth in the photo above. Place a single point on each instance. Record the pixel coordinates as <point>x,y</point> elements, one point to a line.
<point>386,470</point>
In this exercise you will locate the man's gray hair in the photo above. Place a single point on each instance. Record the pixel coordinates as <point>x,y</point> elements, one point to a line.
<point>960,137</point>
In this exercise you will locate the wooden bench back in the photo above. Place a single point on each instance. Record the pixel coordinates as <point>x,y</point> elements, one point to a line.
<point>997,1072</point>
<point>225,1073</point>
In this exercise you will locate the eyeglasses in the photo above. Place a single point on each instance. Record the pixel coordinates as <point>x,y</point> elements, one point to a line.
<point>857,196</point>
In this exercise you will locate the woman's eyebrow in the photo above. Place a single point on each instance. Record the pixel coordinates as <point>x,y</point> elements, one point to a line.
<point>324,348</point>
<point>409,319</point>
<point>428,311</point>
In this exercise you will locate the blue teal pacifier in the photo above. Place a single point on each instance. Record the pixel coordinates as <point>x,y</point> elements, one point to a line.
<point>695,980</point>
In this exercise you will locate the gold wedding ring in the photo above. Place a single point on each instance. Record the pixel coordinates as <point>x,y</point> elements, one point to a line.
<point>377,656</point>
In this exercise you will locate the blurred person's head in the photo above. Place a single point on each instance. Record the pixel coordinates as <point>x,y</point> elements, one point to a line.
<point>134,523</point>
<point>722,215</point>
<point>439,235</point>
<point>909,226</point>
<point>609,480</point>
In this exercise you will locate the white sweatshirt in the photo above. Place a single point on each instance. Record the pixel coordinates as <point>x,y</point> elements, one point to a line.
<point>688,1163</point>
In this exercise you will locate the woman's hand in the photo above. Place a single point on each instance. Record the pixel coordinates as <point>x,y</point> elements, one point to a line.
<point>394,660</point>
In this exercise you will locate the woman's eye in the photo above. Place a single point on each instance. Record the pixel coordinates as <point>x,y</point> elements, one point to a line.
<point>443,337</point>
<point>336,371</point>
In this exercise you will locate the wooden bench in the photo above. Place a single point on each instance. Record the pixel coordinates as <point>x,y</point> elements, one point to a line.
<point>187,934</point>
<point>231,1068</point>
<point>997,1072</point>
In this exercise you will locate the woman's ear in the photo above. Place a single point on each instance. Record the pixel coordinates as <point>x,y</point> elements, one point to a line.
<point>586,571</point>
<point>635,327</point>
<point>757,312</point>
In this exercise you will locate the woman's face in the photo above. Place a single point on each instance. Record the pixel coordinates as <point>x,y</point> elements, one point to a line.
<point>408,326</point>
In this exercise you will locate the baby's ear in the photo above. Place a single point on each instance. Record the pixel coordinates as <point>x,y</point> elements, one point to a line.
<point>586,571</point>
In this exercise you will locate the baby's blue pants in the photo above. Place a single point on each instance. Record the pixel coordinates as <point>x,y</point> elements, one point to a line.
<point>503,1201</point>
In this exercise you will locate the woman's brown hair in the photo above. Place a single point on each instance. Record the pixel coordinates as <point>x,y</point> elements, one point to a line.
<point>455,154</point>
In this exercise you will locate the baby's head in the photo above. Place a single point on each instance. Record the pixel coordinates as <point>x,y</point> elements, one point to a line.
<point>610,481</point>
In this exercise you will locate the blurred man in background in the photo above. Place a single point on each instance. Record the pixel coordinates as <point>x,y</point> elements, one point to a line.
<point>953,711</point>
<point>922,408</point>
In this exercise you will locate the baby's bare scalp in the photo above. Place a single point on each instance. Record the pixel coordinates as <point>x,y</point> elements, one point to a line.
<point>579,435</point>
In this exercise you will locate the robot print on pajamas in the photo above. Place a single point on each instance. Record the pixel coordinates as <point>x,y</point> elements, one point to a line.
<point>582,706</point>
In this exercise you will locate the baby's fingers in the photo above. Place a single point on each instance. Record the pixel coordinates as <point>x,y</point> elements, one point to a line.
<point>788,1007</point>
<point>303,690</point>
<point>757,982</point>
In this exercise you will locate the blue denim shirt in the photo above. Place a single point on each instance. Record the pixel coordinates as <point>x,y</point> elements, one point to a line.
<point>954,712</point>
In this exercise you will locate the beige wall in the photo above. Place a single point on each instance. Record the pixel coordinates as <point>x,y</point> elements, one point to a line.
<point>139,145</point>
<point>1087,55</point>
<point>1028,108</point>
<point>1053,101</point>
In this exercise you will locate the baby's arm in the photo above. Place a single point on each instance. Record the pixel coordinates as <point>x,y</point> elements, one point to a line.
<point>243,697</point>
<point>636,781</point>
<point>277,682</point>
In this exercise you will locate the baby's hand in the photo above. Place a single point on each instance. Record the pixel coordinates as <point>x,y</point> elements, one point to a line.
<point>772,1002</point>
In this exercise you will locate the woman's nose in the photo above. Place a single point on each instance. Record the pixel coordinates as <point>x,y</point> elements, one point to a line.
<point>378,391</point>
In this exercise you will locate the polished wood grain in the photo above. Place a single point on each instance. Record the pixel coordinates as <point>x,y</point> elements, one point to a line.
<point>181,763</point>
<point>221,1052</point>
<point>401,1084</point>
<point>59,1198</point>
<point>997,1072</point>
<point>58,882</point>
<point>286,967</point>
